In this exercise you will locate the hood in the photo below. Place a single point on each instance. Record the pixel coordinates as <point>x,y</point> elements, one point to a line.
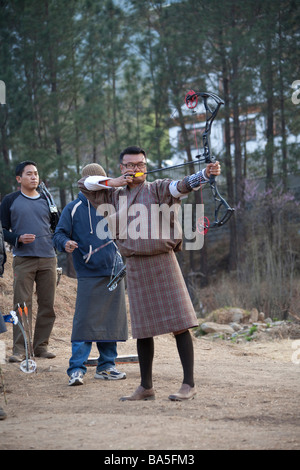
<point>87,203</point>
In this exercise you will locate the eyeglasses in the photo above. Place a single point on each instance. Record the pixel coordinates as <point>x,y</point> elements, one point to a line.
<point>131,166</point>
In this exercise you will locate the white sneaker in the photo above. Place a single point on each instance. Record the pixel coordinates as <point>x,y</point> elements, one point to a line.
<point>110,374</point>
<point>76,378</point>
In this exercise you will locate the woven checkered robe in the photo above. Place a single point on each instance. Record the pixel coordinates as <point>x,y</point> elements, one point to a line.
<point>158,297</point>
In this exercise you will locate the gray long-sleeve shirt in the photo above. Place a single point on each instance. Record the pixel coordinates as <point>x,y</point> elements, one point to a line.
<point>22,214</point>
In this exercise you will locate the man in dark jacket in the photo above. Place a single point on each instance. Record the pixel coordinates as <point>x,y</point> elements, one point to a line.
<point>2,323</point>
<point>100,315</point>
<point>2,251</point>
<point>2,330</point>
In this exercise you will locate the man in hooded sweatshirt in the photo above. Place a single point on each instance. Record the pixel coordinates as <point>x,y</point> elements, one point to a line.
<point>100,315</point>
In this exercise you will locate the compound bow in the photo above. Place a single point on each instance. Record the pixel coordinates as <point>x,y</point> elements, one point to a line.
<point>223,211</point>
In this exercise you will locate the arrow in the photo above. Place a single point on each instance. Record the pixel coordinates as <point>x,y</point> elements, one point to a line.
<point>170,167</point>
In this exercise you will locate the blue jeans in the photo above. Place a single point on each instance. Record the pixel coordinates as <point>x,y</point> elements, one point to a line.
<point>80,353</point>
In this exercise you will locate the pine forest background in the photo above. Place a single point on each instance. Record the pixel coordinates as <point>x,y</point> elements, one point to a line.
<point>86,78</point>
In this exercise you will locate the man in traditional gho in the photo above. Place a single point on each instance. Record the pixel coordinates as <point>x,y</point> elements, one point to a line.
<point>158,297</point>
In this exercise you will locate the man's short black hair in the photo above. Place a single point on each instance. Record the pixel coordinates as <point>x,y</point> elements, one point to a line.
<point>133,150</point>
<point>20,167</point>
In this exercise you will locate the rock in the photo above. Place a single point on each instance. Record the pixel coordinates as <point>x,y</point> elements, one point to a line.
<point>212,327</point>
<point>253,315</point>
<point>261,316</point>
<point>239,325</point>
<point>260,326</point>
<point>228,315</point>
<point>235,326</point>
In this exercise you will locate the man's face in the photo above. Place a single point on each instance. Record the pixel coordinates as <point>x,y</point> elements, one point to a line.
<point>133,164</point>
<point>29,179</point>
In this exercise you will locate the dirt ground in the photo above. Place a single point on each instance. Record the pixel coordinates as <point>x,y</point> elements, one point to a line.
<point>248,396</point>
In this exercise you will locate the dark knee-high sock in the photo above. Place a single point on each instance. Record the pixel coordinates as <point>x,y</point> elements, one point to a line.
<point>186,353</point>
<point>145,349</point>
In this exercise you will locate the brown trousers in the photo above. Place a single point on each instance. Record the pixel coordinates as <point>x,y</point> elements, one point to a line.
<point>41,271</point>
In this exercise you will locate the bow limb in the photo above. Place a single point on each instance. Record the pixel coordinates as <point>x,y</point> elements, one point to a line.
<point>221,205</point>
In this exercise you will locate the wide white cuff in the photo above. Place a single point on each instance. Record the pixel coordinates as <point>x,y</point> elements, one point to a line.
<point>174,191</point>
<point>93,183</point>
<point>204,174</point>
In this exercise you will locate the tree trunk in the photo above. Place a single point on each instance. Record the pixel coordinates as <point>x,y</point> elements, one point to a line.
<point>269,114</point>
